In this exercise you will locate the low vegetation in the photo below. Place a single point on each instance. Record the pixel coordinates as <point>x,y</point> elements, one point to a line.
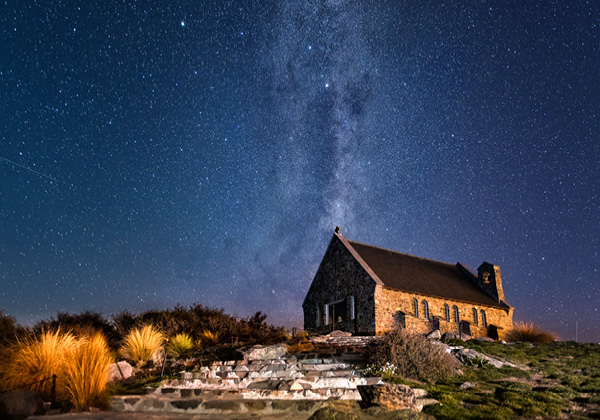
<point>85,371</point>
<point>563,381</point>
<point>141,345</point>
<point>411,356</point>
<point>530,333</point>
<point>179,346</point>
<point>75,368</point>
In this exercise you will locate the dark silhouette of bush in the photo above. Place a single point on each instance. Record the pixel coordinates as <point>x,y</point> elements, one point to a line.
<point>8,329</point>
<point>85,323</point>
<point>197,318</point>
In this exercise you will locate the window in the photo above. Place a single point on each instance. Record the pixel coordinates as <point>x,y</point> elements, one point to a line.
<point>447,311</point>
<point>416,307</point>
<point>352,311</point>
<point>425,309</point>
<point>483,319</point>
<point>456,317</point>
<point>475,316</point>
<point>326,314</point>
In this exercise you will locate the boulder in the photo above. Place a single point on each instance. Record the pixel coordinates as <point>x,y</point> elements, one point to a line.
<point>448,335</point>
<point>389,396</point>
<point>20,404</point>
<point>259,352</point>
<point>466,385</point>
<point>372,413</point>
<point>434,335</point>
<point>484,339</point>
<point>119,371</point>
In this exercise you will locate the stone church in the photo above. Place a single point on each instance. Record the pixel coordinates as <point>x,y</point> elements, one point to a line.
<point>369,290</point>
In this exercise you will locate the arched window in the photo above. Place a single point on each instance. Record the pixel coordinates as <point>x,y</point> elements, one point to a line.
<point>416,307</point>
<point>425,309</point>
<point>483,319</point>
<point>475,316</point>
<point>447,311</point>
<point>456,317</point>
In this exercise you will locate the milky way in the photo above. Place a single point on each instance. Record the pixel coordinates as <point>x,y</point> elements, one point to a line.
<point>196,152</point>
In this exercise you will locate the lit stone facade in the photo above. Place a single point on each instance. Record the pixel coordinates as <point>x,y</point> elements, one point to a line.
<point>395,308</point>
<point>347,294</point>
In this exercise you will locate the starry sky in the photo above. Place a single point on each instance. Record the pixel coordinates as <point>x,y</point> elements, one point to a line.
<point>161,152</point>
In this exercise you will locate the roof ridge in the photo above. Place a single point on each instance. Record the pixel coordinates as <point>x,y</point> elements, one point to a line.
<point>401,253</point>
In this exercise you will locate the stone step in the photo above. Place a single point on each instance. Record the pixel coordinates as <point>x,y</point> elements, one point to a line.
<point>224,404</point>
<point>324,380</point>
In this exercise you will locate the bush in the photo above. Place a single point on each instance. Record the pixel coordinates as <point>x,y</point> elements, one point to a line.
<point>85,372</point>
<point>84,324</point>
<point>7,328</point>
<point>411,356</point>
<point>180,345</point>
<point>32,361</point>
<point>142,344</point>
<point>531,333</point>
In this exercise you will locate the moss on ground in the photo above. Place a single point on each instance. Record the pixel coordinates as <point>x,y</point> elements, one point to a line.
<point>563,382</point>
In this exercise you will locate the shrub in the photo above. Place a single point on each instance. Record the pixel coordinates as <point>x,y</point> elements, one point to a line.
<point>180,345</point>
<point>142,344</point>
<point>85,372</point>
<point>531,333</point>
<point>84,324</point>
<point>209,338</point>
<point>34,359</point>
<point>7,328</point>
<point>412,356</point>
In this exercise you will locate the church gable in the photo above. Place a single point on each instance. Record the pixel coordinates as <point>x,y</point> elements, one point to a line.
<point>342,292</point>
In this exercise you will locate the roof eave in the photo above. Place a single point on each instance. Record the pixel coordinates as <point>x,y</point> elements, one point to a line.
<point>359,259</point>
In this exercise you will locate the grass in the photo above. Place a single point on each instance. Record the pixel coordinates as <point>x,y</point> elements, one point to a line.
<point>530,333</point>
<point>209,338</point>
<point>80,366</point>
<point>34,359</point>
<point>180,345</point>
<point>560,374</point>
<point>142,344</point>
<point>85,372</point>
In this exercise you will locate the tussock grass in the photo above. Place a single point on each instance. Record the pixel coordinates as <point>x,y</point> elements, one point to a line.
<point>85,371</point>
<point>33,359</point>
<point>180,345</point>
<point>531,333</point>
<point>141,344</point>
<point>209,338</point>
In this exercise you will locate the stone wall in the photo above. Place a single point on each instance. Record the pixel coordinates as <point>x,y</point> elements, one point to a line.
<point>338,278</point>
<point>395,308</point>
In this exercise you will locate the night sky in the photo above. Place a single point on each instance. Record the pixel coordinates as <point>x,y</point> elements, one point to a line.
<point>163,152</point>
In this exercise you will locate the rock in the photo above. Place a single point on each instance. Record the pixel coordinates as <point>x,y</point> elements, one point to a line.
<point>434,335</point>
<point>119,371</point>
<point>483,339</point>
<point>423,402</point>
<point>389,396</point>
<point>265,352</point>
<point>338,333</point>
<point>20,404</point>
<point>464,337</point>
<point>467,385</point>
<point>334,412</point>
<point>420,393</point>
<point>448,335</point>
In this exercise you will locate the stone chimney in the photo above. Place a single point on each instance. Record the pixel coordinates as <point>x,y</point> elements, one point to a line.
<point>490,280</point>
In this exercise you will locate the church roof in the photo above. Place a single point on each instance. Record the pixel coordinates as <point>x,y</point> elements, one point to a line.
<point>419,275</point>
